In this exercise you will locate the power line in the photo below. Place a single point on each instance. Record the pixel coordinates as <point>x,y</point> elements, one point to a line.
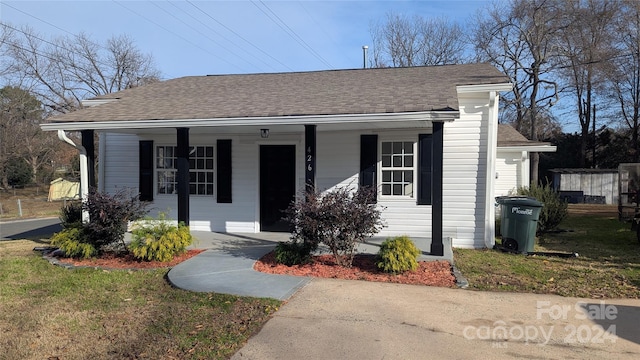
<point>217,33</point>
<point>319,26</point>
<point>238,35</point>
<point>290,32</point>
<point>30,35</point>
<point>174,34</point>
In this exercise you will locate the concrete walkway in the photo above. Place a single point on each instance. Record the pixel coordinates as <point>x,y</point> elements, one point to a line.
<point>227,265</point>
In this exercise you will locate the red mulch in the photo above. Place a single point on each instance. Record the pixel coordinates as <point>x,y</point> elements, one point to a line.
<point>432,273</point>
<point>112,261</point>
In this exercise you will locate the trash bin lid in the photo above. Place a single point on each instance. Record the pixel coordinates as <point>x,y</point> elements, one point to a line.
<point>519,200</point>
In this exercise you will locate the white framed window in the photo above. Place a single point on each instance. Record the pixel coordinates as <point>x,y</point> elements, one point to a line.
<point>397,164</point>
<point>201,170</point>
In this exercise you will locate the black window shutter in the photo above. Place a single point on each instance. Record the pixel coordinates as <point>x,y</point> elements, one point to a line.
<point>146,170</point>
<point>425,169</point>
<point>224,171</point>
<point>368,160</point>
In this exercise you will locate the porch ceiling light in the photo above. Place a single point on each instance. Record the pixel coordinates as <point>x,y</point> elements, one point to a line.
<point>264,133</point>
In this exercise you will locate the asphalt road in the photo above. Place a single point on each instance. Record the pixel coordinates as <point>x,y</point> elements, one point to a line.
<point>29,229</point>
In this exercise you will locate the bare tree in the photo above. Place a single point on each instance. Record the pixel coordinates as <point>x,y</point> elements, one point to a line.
<point>20,133</point>
<point>518,39</point>
<point>63,71</point>
<point>402,41</point>
<point>585,46</point>
<point>625,75</point>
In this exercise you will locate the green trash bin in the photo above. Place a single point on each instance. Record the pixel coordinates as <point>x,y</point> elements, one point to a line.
<point>518,222</point>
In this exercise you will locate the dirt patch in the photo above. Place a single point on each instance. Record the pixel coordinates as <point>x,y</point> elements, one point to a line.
<point>432,273</point>
<point>593,209</point>
<point>112,261</point>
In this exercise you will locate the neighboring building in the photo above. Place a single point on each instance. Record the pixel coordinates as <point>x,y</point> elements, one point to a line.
<point>425,137</point>
<point>512,161</point>
<point>597,186</point>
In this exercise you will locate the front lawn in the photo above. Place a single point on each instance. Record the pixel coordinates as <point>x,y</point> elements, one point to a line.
<point>608,265</point>
<point>50,312</point>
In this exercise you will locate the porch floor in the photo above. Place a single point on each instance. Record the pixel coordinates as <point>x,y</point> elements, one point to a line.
<point>230,241</point>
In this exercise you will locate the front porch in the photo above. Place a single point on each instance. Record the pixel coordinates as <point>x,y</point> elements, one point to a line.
<point>263,242</point>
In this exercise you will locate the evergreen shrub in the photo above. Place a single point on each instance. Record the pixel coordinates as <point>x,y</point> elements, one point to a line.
<point>397,255</point>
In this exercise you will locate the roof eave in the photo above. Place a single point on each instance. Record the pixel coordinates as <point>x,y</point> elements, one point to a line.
<point>529,148</point>
<point>425,116</point>
<point>484,87</point>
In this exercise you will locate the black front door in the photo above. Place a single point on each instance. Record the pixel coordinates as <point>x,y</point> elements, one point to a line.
<point>277,185</point>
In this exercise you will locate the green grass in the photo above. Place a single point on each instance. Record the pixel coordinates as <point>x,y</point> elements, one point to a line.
<point>608,265</point>
<point>48,311</point>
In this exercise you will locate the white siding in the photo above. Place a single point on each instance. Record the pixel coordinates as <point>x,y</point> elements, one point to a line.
<point>120,157</point>
<point>464,173</point>
<point>511,172</point>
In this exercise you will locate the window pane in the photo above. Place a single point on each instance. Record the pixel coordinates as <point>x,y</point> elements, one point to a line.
<point>200,151</point>
<point>209,189</point>
<point>201,189</point>
<point>201,177</point>
<point>192,177</point>
<point>386,189</point>
<point>386,148</point>
<point>192,150</point>
<point>170,151</point>
<point>200,163</point>
<point>192,189</point>
<point>210,177</point>
<point>386,176</point>
<point>408,161</point>
<point>408,148</point>
<point>386,161</point>
<point>192,164</point>
<point>397,189</point>
<point>397,176</point>
<point>397,161</point>
<point>209,151</point>
<point>209,164</point>
<point>397,147</point>
<point>408,176</point>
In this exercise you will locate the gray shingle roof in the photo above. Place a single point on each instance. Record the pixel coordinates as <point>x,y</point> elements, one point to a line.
<point>362,91</point>
<point>509,136</point>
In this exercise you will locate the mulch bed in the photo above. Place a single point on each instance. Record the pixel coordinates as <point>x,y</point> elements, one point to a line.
<point>432,273</point>
<point>113,261</point>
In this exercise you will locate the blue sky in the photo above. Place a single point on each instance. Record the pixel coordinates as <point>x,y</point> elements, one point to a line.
<point>226,37</point>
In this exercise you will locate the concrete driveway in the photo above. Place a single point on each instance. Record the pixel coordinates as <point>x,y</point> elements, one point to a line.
<point>341,319</point>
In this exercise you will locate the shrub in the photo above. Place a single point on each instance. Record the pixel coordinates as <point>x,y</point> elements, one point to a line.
<point>108,215</point>
<point>18,172</point>
<point>71,215</point>
<point>73,242</point>
<point>397,255</point>
<point>160,241</point>
<point>292,253</point>
<point>339,219</point>
<point>554,209</point>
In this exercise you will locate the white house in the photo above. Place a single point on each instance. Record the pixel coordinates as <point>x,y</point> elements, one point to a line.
<point>512,160</point>
<point>227,153</point>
